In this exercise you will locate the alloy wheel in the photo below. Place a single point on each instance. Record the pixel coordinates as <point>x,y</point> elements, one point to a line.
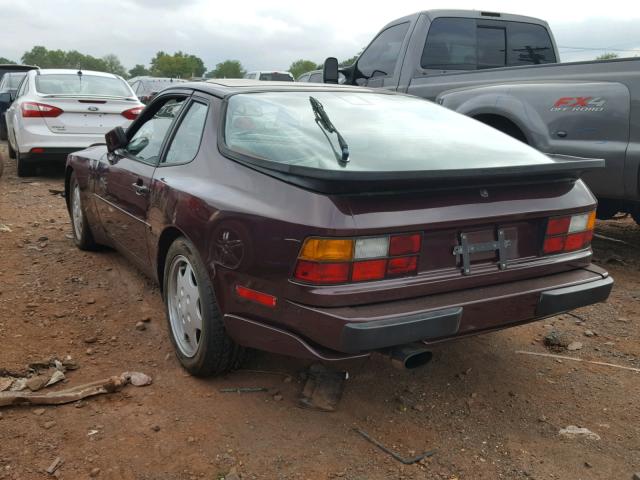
<point>185,310</point>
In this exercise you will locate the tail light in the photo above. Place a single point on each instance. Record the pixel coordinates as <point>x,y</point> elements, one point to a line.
<point>40,110</point>
<point>333,261</point>
<point>132,113</point>
<point>565,234</point>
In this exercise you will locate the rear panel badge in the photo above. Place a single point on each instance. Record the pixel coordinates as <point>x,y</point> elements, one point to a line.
<point>579,104</point>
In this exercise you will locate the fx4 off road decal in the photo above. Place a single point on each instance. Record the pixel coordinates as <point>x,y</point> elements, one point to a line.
<point>579,104</point>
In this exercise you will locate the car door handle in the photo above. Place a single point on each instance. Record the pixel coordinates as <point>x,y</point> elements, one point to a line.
<point>140,189</point>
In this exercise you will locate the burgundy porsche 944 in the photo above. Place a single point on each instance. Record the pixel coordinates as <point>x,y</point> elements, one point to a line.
<point>330,222</point>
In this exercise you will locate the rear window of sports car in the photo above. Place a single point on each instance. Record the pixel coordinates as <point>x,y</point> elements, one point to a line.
<point>383,132</point>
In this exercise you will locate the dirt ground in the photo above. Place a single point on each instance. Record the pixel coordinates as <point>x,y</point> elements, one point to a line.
<point>490,412</point>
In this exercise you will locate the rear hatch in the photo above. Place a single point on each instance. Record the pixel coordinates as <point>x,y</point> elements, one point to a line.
<point>470,237</point>
<point>87,115</point>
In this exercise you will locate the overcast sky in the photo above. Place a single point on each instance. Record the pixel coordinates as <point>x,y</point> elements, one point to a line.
<point>272,34</point>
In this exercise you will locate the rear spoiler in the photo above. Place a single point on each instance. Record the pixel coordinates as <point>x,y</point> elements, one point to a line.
<point>564,168</point>
<point>94,97</point>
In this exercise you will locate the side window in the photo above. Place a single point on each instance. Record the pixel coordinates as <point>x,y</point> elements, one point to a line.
<point>146,143</point>
<point>380,58</point>
<point>491,47</point>
<point>529,44</point>
<point>23,86</point>
<point>303,78</point>
<point>316,77</point>
<point>450,45</point>
<point>186,142</point>
<point>134,86</point>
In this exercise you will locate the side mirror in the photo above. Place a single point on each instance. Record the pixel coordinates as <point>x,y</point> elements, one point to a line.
<point>5,97</point>
<point>330,70</point>
<point>116,139</point>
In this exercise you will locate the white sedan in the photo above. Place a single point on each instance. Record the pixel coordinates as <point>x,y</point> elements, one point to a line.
<point>59,111</point>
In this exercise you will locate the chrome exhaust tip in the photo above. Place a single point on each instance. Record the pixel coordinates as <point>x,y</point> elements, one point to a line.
<point>408,357</point>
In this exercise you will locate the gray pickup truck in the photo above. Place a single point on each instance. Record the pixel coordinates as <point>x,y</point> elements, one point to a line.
<point>503,70</point>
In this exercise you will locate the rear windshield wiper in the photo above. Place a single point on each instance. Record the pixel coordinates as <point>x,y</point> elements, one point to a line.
<point>322,119</point>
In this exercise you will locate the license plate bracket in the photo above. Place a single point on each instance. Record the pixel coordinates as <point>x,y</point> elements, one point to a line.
<point>465,249</point>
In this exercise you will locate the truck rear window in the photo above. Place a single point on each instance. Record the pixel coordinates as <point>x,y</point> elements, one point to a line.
<point>467,44</point>
<point>276,77</point>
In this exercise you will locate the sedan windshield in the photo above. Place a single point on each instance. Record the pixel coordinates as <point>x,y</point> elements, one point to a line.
<point>383,132</point>
<point>85,84</point>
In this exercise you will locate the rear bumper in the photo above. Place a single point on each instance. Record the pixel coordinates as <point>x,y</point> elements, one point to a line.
<point>50,155</point>
<point>344,332</point>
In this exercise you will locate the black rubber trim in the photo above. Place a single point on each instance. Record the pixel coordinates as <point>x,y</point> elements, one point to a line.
<point>362,336</point>
<point>564,299</point>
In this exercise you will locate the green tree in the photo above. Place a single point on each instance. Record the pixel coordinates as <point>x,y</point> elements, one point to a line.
<point>227,69</point>
<point>349,61</point>
<point>113,65</point>
<point>180,65</point>
<point>607,56</point>
<point>139,71</point>
<point>6,61</point>
<point>301,66</point>
<point>45,58</point>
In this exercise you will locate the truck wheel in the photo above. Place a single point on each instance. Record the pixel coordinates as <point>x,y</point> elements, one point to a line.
<point>24,169</point>
<point>195,321</point>
<point>82,236</point>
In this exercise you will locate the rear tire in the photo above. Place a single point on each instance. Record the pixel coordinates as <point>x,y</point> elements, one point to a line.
<point>82,236</point>
<point>3,132</point>
<point>24,169</point>
<point>636,215</point>
<point>195,320</point>
<point>12,152</point>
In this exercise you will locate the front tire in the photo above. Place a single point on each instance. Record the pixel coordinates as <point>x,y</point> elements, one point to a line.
<point>82,236</point>
<point>195,321</point>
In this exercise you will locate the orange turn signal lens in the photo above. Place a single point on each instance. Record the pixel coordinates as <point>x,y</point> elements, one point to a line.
<point>327,250</point>
<point>592,221</point>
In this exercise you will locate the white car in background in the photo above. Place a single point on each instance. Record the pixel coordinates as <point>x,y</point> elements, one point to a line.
<point>59,111</point>
<point>269,76</point>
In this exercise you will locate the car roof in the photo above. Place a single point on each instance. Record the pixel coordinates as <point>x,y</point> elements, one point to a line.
<point>230,86</point>
<point>58,71</point>
<point>270,71</point>
<point>478,14</point>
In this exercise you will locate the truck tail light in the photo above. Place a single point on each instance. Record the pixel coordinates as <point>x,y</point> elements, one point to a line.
<point>132,113</point>
<point>333,261</point>
<point>39,110</point>
<point>569,233</point>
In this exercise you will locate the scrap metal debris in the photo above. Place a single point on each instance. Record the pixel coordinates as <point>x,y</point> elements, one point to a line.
<point>55,465</point>
<point>611,239</point>
<point>323,388</point>
<point>244,390</point>
<point>401,459</point>
<point>576,359</point>
<point>73,394</point>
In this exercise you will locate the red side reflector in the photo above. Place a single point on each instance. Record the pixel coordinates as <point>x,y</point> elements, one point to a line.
<point>397,266</point>
<point>322,272</point>
<point>37,150</point>
<point>368,270</point>
<point>553,244</point>
<point>404,244</point>
<point>255,296</point>
<point>558,226</point>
